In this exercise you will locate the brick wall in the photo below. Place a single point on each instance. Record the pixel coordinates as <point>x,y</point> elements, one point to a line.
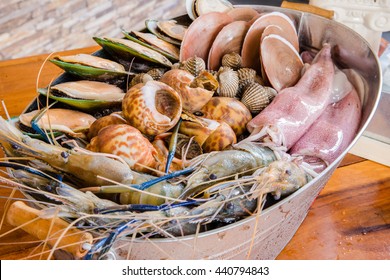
<point>29,27</point>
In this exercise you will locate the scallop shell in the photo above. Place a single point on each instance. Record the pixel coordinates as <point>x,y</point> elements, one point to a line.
<point>156,73</point>
<point>246,76</point>
<point>127,142</point>
<point>194,92</point>
<point>275,50</point>
<point>232,60</point>
<point>243,13</point>
<point>195,65</point>
<point>229,110</point>
<point>153,108</point>
<point>256,97</point>
<point>140,78</point>
<point>228,82</point>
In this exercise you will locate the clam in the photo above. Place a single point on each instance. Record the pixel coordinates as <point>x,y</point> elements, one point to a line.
<point>194,92</point>
<point>152,26</point>
<point>205,27</point>
<point>97,125</point>
<point>196,8</point>
<point>195,65</point>
<point>232,60</point>
<point>126,142</point>
<point>228,82</point>
<point>153,107</point>
<point>256,97</point>
<point>210,134</point>
<point>229,110</point>
<point>251,46</point>
<point>71,122</point>
<point>243,13</point>
<point>228,40</point>
<point>127,49</point>
<point>85,95</point>
<point>275,50</point>
<point>91,67</point>
<point>150,40</point>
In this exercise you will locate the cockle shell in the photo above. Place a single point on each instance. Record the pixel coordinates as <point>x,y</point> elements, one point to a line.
<point>97,125</point>
<point>153,107</point>
<point>246,76</point>
<point>71,122</point>
<point>140,78</point>
<point>210,134</point>
<point>126,142</point>
<point>232,60</point>
<point>194,92</point>
<point>256,97</point>
<point>228,82</point>
<point>229,110</point>
<point>195,65</point>
<point>275,50</point>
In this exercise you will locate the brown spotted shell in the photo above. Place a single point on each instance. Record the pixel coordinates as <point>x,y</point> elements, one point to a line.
<point>140,78</point>
<point>229,110</point>
<point>195,65</point>
<point>96,126</point>
<point>153,108</point>
<point>126,142</point>
<point>232,60</point>
<point>210,134</point>
<point>194,92</point>
<point>256,97</point>
<point>228,82</point>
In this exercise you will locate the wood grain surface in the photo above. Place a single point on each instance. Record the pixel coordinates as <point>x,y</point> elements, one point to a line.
<point>350,219</point>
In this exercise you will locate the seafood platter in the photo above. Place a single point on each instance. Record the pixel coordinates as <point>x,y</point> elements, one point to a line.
<point>203,137</point>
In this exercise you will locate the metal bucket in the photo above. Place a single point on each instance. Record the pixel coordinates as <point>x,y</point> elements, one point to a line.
<point>265,235</point>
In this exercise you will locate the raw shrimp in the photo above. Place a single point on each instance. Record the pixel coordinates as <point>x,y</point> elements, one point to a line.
<point>86,167</point>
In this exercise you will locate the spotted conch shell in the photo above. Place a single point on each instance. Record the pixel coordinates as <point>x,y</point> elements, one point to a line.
<point>126,142</point>
<point>153,107</point>
<point>194,92</point>
<point>97,125</point>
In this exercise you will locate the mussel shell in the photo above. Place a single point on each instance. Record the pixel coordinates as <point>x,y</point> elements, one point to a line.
<point>206,27</point>
<point>153,107</point>
<point>71,122</point>
<point>152,26</point>
<point>91,67</point>
<point>85,95</point>
<point>152,41</point>
<point>127,49</point>
<point>229,110</point>
<point>172,29</point>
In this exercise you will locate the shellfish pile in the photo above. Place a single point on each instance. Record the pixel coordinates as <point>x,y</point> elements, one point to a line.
<point>168,120</point>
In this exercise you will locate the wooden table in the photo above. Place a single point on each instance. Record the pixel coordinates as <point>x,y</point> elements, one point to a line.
<point>350,219</point>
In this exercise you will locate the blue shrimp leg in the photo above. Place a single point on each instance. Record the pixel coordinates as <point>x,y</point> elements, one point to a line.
<point>172,146</point>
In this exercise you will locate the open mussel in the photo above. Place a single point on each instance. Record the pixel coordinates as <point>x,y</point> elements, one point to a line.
<point>162,31</point>
<point>85,95</point>
<point>126,50</point>
<point>92,67</point>
<point>150,40</point>
<point>57,120</point>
